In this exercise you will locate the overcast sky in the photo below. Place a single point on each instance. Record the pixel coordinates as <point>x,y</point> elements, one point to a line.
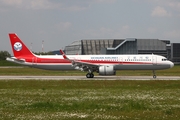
<point>60,22</point>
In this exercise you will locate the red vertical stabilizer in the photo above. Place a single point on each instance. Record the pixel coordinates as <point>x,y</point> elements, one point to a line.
<point>18,47</point>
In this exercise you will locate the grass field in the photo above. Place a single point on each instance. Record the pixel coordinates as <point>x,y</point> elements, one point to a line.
<point>98,100</point>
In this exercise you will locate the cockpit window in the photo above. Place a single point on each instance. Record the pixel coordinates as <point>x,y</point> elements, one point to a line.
<point>164,59</point>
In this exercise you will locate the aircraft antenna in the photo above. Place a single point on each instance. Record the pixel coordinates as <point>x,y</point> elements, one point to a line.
<point>31,46</point>
<point>42,46</point>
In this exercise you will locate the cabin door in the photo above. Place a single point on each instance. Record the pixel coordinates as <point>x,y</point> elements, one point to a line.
<point>120,60</point>
<point>154,60</point>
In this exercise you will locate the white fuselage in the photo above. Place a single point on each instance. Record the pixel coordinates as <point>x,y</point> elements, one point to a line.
<point>120,62</point>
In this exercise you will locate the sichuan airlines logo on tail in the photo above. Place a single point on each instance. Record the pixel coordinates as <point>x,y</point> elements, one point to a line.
<point>17,46</point>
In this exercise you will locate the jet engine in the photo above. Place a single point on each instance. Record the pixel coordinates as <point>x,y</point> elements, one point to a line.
<point>107,70</point>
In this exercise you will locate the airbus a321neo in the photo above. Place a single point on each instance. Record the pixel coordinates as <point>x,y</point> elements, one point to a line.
<point>102,64</point>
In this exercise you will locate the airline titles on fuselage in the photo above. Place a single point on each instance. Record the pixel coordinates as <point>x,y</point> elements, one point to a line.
<point>128,58</point>
<point>97,58</point>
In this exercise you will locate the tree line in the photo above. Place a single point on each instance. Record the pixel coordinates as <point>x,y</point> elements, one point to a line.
<point>4,54</point>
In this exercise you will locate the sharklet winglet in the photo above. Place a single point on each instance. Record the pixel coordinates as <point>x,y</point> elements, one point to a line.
<point>64,55</point>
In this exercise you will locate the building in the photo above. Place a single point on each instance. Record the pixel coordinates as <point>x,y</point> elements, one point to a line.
<point>74,48</point>
<point>175,52</point>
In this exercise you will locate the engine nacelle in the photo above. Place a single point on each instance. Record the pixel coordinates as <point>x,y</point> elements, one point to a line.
<point>107,70</point>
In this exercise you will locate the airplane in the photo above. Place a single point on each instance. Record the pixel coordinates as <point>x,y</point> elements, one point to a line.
<point>102,64</point>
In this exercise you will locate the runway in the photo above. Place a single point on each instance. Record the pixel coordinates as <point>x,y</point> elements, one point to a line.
<point>84,78</point>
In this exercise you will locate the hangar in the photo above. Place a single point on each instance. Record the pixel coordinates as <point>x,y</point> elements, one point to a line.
<point>175,52</point>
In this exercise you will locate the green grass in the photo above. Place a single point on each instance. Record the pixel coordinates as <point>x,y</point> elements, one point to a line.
<point>98,100</point>
<point>175,71</point>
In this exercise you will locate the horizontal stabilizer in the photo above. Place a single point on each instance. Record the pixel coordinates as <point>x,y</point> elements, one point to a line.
<point>15,60</point>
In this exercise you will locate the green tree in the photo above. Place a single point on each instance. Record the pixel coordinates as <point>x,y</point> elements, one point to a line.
<point>4,54</point>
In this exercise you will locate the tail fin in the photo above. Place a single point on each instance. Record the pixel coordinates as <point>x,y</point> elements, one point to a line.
<point>18,47</point>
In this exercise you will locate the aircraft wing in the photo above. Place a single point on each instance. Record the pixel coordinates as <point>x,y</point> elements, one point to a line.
<point>81,64</point>
<point>84,63</point>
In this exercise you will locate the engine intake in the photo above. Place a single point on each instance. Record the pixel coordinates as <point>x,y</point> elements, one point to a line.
<point>107,70</point>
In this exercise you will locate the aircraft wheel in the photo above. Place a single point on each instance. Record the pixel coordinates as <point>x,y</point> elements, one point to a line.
<point>154,76</point>
<point>89,75</point>
<point>92,75</point>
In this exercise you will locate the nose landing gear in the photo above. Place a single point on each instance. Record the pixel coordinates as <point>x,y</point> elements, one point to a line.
<point>154,74</point>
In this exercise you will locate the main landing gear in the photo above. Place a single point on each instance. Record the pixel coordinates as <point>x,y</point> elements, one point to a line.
<point>154,74</point>
<point>89,75</point>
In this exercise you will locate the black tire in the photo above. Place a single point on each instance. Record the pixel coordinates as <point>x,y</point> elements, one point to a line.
<point>154,76</point>
<point>88,75</point>
<point>92,75</point>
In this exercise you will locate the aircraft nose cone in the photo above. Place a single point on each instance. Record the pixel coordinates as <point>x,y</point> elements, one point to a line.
<point>171,64</point>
